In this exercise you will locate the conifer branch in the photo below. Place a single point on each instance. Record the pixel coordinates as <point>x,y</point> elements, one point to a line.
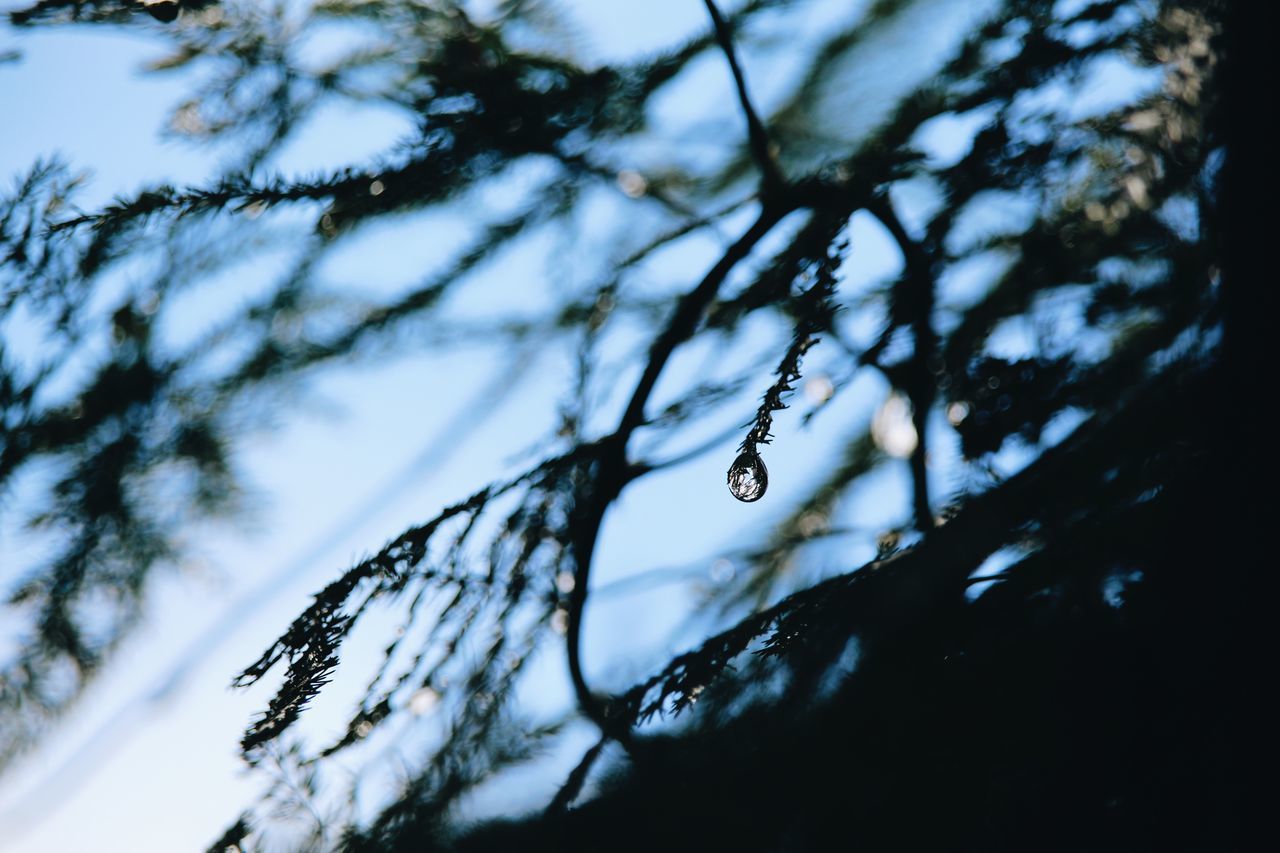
<point>813,311</point>
<point>1119,225</point>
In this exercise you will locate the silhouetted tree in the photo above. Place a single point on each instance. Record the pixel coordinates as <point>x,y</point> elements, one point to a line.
<point>1072,697</point>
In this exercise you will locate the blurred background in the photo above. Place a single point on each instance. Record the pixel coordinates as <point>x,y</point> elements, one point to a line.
<point>334,374</point>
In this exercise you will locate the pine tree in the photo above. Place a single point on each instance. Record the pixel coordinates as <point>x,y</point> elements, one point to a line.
<point>1056,318</point>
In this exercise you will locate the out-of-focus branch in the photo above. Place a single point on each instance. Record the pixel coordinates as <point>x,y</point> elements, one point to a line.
<point>914,299</point>
<point>573,785</point>
<point>771,176</point>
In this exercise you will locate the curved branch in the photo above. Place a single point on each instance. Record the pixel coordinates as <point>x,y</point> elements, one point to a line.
<point>687,314</point>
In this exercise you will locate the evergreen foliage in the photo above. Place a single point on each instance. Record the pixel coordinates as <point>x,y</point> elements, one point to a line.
<point>1058,702</point>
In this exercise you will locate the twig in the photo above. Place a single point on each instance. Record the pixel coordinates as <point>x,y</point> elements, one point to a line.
<point>886,598</point>
<point>573,785</point>
<point>771,176</point>
<point>676,233</point>
<point>688,313</point>
<point>915,294</point>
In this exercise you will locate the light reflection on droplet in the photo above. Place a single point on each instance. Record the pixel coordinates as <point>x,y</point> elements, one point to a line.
<point>632,183</point>
<point>818,389</point>
<point>565,582</point>
<point>560,621</point>
<point>423,700</point>
<point>957,412</point>
<point>891,428</point>
<point>722,571</point>
<point>377,188</point>
<point>748,478</point>
<point>811,524</point>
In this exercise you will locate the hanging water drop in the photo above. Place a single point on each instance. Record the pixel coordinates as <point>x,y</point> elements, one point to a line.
<point>748,478</point>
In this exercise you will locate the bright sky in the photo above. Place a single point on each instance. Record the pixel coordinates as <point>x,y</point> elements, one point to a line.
<point>142,768</point>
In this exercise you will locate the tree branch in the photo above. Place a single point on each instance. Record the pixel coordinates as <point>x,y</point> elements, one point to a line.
<point>611,473</point>
<point>887,598</point>
<point>915,298</point>
<point>771,176</point>
<point>573,785</point>
<point>687,314</point>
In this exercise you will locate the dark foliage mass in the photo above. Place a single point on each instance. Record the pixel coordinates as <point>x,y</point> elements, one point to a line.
<point>1071,698</point>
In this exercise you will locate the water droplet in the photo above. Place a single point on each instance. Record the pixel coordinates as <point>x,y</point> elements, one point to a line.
<point>819,389</point>
<point>632,183</point>
<point>892,429</point>
<point>722,571</point>
<point>748,478</point>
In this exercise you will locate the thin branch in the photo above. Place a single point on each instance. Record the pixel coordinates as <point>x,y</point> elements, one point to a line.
<point>681,231</point>
<point>687,314</point>
<point>915,295</point>
<point>580,164</point>
<point>717,440</point>
<point>573,785</point>
<point>771,176</point>
<point>612,473</point>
